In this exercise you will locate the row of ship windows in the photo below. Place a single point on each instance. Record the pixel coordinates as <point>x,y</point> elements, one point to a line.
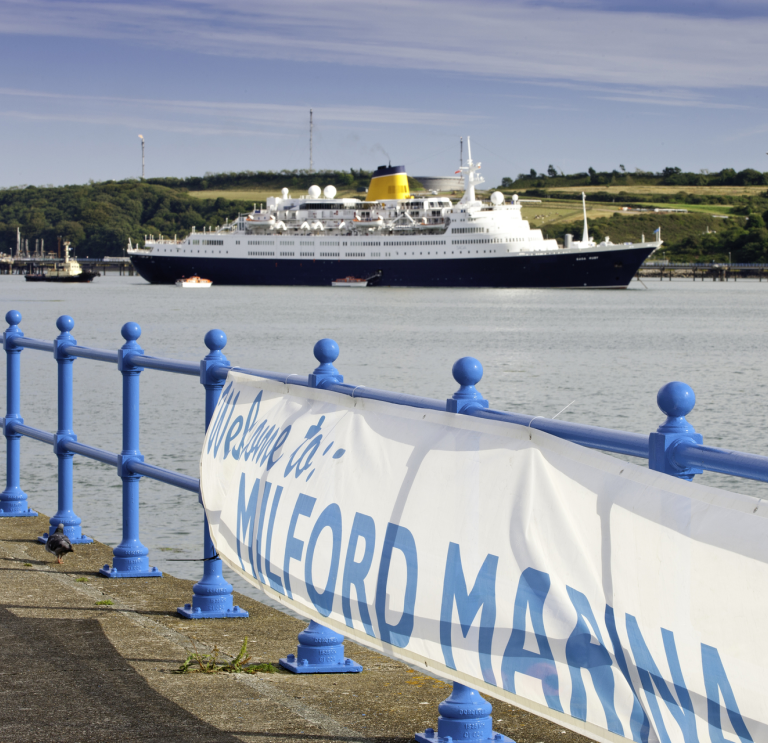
<point>207,242</point>
<point>488,240</point>
<point>360,255</point>
<point>468,229</point>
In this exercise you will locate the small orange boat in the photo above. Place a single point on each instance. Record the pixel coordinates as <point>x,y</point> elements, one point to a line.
<point>193,282</point>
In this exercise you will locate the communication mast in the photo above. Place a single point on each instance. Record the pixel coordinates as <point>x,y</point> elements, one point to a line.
<point>141,137</point>
<point>461,152</point>
<point>311,163</point>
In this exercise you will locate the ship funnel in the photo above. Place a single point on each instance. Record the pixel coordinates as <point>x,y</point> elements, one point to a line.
<point>388,182</point>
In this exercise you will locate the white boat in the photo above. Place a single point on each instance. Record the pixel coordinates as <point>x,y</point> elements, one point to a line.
<point>402,240</point>
<point>194,282</point>
<point>350,281</point>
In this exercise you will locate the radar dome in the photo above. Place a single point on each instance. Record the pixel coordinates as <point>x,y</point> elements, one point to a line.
<point>285,193</point>
<point>329,192</point>
<point>515,198</point>
<point>314,192</point>
<point>497,198</point>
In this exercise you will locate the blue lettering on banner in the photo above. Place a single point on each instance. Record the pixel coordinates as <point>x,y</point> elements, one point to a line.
<point>400,538</point>
<point>483,595</point>
<point>293,546</point>
<point>330,518</point>
<point>274,580</point>
<point>681,711</point>
<point>531,593</point>
<point>271,462</point>
<point>255,405</point>
<point>363,527</point>
<point>218,427</point>
<point>246,520</point>
<point>232,433</point>
<point>306,450</point>
<point>260,529</point>
<point>716,683</point>
<point>582,653</point>
<point>639,724</point>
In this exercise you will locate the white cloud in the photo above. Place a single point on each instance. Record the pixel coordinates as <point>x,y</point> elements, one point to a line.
<point>513,39</point>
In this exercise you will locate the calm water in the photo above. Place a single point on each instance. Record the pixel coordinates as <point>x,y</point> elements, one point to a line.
<point>610,351</point>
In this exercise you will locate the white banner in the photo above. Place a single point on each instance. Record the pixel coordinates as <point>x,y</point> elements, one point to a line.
<point>617,601</point>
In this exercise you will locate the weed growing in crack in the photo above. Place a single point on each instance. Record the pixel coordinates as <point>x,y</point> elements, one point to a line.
<point>197,662</point>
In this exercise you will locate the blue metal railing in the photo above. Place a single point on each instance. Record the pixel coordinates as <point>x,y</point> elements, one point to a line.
<point>675,449</point>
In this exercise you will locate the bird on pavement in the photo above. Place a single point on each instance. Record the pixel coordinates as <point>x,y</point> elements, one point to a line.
<point>58,544</point>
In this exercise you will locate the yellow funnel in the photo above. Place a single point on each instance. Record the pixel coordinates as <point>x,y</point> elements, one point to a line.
<point>388,183</point>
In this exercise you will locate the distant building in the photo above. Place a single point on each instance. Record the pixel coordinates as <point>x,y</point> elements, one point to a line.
<point>441,183</point>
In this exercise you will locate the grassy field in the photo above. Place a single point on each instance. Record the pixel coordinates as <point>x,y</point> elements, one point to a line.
<point>261,196</point>
<point>701,190</point>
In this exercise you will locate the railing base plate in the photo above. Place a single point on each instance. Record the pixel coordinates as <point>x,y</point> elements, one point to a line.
<point>109,572</point>
<point>188,612</point>
<point>292,664</point>
<point>430,736</point>
<point>16,514</point>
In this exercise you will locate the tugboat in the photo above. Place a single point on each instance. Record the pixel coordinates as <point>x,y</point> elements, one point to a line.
<point>70,271</point>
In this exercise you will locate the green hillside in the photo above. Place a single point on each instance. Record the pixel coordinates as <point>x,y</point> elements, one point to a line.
<point>99,218</point>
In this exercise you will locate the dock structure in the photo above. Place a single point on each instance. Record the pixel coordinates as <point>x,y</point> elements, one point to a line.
<point>108,264</point>
<point>702,271</point>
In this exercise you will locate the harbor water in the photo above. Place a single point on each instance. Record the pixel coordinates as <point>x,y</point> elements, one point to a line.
<point>606,352</point>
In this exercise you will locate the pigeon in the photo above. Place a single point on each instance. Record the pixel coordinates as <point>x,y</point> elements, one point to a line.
<point>58,544</point>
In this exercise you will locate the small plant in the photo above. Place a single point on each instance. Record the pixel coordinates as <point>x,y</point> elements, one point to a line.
<point>27,564</point>
<point>197,662</point>
<point>81,580</point>
<point>105,602</point>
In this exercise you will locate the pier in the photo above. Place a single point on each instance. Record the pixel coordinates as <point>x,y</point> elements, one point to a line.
<point>702,271</point>
<point>108,264</point>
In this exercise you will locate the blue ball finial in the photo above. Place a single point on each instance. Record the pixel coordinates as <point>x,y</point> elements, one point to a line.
<point>65,323</point>
<point>13,317</point>
<point>676,399</point>
<point>467,371</point>
<point>326,351</point>
<point>215,339</point>
<point>131,331</point>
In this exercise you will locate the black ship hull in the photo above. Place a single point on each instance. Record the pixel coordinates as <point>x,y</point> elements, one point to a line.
<point>600,268</point>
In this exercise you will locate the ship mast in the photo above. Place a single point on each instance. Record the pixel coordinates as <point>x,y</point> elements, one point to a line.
<point>471,177</point>
<point>585,236</point>
<point>311,164</point>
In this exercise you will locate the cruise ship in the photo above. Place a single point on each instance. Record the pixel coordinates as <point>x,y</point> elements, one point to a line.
<point>391,238</point>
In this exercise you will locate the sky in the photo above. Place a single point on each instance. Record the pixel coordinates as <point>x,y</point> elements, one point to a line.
<point>227,86</point>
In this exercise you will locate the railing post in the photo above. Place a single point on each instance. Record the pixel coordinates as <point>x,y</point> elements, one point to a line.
<point>13,500</point>
<point>320,649</point>
<point>65,515</point>
<point>130,556</point>
<point>212,596</point>
<point>464,715</point>
<point>675,400</point>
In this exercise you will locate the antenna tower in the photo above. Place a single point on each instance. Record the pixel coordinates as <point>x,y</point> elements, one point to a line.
<point>311,163</point>
<point>461,152</point>
<point>141,137</point>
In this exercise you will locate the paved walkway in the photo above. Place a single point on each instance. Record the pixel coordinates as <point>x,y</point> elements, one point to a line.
<point>72,670</point>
